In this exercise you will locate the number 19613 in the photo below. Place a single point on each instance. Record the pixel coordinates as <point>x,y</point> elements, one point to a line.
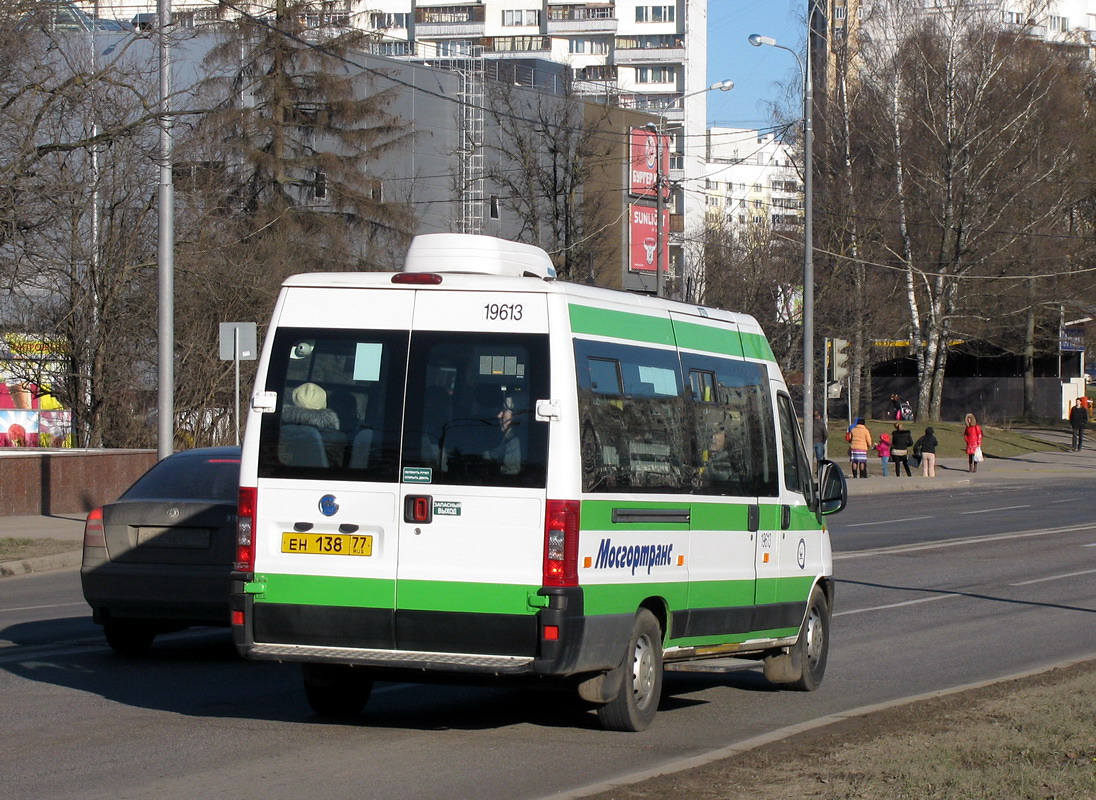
<point>502,311</point>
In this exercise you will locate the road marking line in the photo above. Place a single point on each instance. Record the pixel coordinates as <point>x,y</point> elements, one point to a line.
<point>35,608</point>
<point>1071,500</point>
<point>1055,577</point>
<point>993,537</point>
<point>898,605</point>
<point>993,510</point>
<point>887,522</point>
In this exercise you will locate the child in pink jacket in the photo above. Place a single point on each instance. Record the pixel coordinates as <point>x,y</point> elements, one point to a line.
<point>883,449</point>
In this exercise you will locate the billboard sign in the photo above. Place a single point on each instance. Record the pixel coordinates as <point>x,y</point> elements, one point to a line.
<point>643,238</point>
<point>643,162</point>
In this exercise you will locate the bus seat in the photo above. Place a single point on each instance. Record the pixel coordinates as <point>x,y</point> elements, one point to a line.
<point>301,446</point>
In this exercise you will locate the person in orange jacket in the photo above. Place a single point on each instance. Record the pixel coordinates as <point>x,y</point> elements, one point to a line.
<point>860,442</point>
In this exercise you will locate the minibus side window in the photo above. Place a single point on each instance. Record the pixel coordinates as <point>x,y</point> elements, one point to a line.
<point>633,419</point>
<point>731,413</point>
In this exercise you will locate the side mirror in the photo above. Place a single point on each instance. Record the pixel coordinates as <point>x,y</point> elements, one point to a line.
<point>833,490</point>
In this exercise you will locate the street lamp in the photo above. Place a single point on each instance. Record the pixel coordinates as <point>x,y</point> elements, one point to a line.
<point>808,232</point>
<point>660,179</point>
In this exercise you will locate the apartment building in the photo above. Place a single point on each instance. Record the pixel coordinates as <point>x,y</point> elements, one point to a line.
<point>752,180</point>
<point>643,55</point>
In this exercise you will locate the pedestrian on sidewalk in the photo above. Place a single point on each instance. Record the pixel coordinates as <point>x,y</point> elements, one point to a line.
<point>860,442</point>
<point>926,446</point>
<point>972,434</point>
<point>901,442</point>
<point>1078,418</point>
<point>884,451</point>
<point>820,437</point>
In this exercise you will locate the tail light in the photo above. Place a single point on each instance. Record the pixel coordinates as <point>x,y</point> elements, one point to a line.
<point>245,530</point>
<point>94,535</point>
<point>561,543</point>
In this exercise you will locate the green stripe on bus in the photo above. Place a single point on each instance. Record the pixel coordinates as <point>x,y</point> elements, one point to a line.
<point>323,590</point>
<point>708,338</point>
<point>621,325</point>
<point>722,341</point>
<point>475,598</point>
<point>624,598</point>
<point>597,515</point>
<point>457,596</point>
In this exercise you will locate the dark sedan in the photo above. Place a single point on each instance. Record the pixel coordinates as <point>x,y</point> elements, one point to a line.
<point>159,558</point>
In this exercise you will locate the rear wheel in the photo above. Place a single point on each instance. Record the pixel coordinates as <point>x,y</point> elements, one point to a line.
<point>129,637</point>
<point>634,707</point>
<point>336,690</point>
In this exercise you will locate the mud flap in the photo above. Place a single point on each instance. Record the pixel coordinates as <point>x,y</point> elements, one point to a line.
<point>785,667</point>
<point>602,687</point>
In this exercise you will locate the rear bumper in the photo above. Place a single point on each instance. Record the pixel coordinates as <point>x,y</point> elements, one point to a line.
<point>193,594</point>
<point>558,641</point>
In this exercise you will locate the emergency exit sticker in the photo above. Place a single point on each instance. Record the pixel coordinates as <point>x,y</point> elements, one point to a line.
<point>446,508</point>
<point>418,475</point>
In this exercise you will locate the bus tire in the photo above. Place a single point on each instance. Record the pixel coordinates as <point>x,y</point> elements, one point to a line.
<point>336,691</point>
<point>634,706</point>
<point>804,665</point>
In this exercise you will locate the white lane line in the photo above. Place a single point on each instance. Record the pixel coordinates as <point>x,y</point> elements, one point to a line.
<point>965,540</point>
<point>1089,545</point>
<point>993,510</point>
<point>1070,500</point>
<point>886,522</point>
<point>1055,577</point>
<point>897,605</point>
<point>36,608</point>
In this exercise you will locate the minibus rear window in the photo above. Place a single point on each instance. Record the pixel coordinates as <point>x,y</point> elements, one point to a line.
<point>471,401</point>
<point>340,399</point>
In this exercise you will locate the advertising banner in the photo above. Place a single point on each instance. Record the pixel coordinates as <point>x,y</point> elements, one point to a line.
<point>643,241</point>
<point>643,163</point>
<point>22,428</point>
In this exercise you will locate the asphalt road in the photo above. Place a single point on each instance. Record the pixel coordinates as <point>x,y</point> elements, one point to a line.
<point>935,590</point>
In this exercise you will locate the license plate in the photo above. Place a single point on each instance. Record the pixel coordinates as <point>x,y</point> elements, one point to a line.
<point>327,544</point>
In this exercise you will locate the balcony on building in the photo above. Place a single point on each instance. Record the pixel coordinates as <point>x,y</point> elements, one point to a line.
<point>514,46</point>
<point>596,79</point>
<point>587,18</point>
<point>463,21</point>
<point>647,49</point>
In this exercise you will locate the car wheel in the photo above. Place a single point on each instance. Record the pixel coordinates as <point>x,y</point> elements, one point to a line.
<point>813,646</point>
<point>129,637</point>
<point>337,691</point>
<point>634,707</point>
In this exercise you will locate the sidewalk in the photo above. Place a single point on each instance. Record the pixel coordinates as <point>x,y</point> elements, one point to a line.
<point>64,527</point>
<point>951,474</point>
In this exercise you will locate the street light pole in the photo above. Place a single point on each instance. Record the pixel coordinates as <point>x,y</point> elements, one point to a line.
<point>661,181</point>
<point>808,231</point>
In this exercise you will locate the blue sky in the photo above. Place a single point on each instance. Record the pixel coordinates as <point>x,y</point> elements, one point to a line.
<point>756,71</point>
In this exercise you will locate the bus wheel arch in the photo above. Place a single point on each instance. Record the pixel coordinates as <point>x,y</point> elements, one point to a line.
<point>802,666</point>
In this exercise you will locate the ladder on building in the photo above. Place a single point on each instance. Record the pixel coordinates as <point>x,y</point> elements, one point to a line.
<point>471,113</point>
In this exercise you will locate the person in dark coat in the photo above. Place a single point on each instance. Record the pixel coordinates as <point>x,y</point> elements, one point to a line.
<point>901,442</point>
<point>926,446</point>
<point>1078,418</point>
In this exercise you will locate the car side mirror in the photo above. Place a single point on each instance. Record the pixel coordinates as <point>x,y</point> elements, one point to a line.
<point>833,490</point>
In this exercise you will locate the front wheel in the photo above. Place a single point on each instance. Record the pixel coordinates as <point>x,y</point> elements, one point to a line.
<point>813,646</point>
<point>635,704</point>
<point>337,691</point>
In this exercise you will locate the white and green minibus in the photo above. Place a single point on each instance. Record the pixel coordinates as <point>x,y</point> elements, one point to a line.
<point>469,468</point>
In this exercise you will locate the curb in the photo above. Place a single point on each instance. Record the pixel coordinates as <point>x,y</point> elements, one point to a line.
<point>753,743</point>
<point>58,561</point>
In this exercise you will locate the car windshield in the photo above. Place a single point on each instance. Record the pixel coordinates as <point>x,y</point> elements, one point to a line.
<point>189,477</point>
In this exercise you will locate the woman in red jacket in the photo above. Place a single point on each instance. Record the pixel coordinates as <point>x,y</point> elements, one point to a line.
<point>973,437</point>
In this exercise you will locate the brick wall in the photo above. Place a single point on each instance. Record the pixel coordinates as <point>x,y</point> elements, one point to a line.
<point>36,482</point>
